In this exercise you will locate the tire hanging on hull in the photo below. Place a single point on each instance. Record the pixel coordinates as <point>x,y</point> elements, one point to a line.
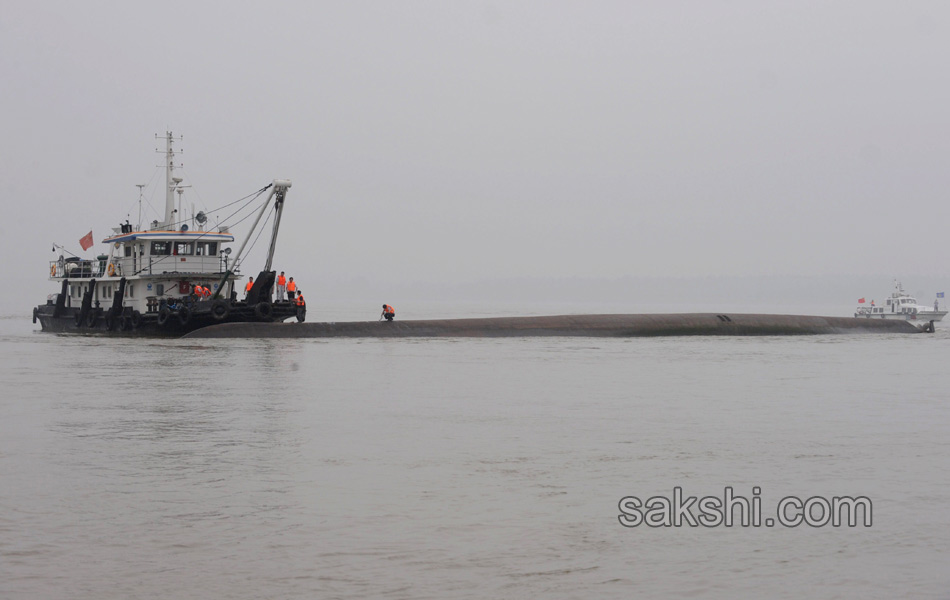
<point>220,309</point>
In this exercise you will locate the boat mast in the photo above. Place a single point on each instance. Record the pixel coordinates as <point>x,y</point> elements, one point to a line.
<point>170,180</point>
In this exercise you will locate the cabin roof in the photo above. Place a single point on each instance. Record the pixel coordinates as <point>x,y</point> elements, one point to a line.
<point>175,236</point>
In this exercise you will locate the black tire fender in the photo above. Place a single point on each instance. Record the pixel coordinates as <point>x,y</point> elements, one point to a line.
<point>264,311</point>
<point>136,319</point>
<point>184,315</point>
<point>163,314</point>
<point>220,309</point>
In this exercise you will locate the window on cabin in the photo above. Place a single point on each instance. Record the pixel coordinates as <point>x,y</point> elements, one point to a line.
<point>183,248</point>
<point>206,248</point>
<point>130,288</point>
<point>161,248</point>
<point>128,250</point>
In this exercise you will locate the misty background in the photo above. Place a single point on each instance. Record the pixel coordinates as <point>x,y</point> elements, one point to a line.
<point>649,156</point>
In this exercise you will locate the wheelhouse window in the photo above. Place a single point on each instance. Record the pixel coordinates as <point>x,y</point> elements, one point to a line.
<point>128,250</point>
<point>161,248</point>
<point>184,248</point>
<point>206,248</point>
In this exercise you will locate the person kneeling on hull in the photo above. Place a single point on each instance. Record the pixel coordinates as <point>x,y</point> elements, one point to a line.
<point>389,313</point>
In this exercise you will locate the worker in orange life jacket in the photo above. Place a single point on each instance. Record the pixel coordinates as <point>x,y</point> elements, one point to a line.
<point>281,287</point>
<point>250,284</point>
<point>389,313</point>
<point>299,300</point>
<point>291,289</point>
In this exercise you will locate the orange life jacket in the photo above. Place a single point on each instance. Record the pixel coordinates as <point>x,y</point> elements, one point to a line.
<point>249,285</point>
<point>389,310</point>
<point>281,280</point>
<point>300,301</point>
<point>292,286</point>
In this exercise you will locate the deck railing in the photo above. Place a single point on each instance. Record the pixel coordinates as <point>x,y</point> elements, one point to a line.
<point>125,266</point>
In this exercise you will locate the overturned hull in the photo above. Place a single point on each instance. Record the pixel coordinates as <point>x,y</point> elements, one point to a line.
<point>645,325</point>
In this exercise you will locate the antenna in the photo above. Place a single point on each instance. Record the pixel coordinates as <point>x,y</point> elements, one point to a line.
<point>138,225</point>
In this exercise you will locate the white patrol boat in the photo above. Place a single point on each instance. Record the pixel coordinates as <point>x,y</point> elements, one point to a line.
<point>169,279</point>
<point>901,305</point>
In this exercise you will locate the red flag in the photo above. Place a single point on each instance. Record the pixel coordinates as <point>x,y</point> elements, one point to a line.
<point>860,300</point>
<point>86,241</point>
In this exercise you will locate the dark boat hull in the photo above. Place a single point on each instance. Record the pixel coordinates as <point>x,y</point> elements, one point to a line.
<point>172,324</point>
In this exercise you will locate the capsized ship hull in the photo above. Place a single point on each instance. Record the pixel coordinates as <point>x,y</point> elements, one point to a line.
<point>644,325</point>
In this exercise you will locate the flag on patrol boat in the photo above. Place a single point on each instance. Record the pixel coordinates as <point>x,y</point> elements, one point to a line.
<point>860,300</point>
<point>940,294</point>
<point>86,241</point>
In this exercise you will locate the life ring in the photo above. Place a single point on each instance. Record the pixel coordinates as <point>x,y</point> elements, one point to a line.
<point>111,270</point>
<point>136,319</point>
<point>52,270</point>
<point>220,309</point>
<point>163,315</point>
<point>264,311</point>
<point>184,315</point>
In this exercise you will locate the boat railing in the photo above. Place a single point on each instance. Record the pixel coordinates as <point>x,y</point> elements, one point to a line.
<point>76,268</point>
<point>163,264</point>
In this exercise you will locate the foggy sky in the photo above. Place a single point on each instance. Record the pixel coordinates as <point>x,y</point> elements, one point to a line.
<point>457,142</point>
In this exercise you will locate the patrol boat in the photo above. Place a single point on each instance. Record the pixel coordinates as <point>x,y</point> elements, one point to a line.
<point>169,279</point>
<point>901,305</point>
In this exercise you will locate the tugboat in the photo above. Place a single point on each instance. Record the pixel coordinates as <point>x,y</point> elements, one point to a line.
<point>166,280</point>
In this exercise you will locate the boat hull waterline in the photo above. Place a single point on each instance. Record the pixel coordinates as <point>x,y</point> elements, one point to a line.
<point>642,325</point>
